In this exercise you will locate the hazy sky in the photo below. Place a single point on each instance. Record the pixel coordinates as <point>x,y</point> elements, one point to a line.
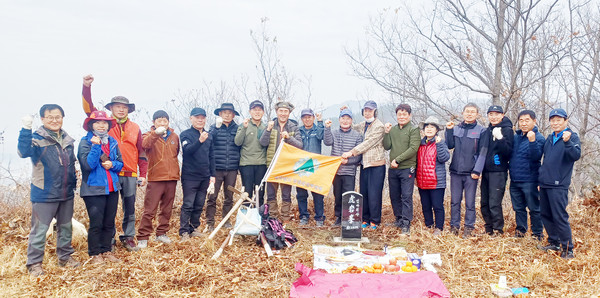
<point>148,50</point>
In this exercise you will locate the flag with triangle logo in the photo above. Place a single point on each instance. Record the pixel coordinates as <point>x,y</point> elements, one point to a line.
<point>311,171</point>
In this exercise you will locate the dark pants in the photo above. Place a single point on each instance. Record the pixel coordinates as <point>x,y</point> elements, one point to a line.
<point>401,184</point>
<point>158,194</point>
<point>251,177</point>
<point>525,195</point>
<point>224,178</point>
<point>553,207</point>
<point>458,184</point>
<point>41,217</point>
<point>286,192</point>
<point>342,184</point>
<point>128,189</point>
<point>194,195</point>
<point>493,185</point>
<point>432,201</point>
<point>302,197</point>
<point>102,211</point>
<point>371,186</point>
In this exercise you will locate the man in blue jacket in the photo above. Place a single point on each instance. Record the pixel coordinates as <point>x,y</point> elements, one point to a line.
<point>197,171</point>
<point>227,161</point>
<point>312,135</point>
<point>524,166</point>
<point>466,166</point>
<point>561,149</point>
<point>52,185</point>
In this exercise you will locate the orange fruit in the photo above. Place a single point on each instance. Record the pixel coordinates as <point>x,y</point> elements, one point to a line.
<point>377,266</point>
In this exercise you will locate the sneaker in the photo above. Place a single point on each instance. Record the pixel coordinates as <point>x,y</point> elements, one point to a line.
<point>209,228</point>
<point>196,233</point>
<point>548,247</point>
<point>164,239</point>
<point>437,232</point>
<point>36,270</point>
<point>454,230</point>
<point>406,231</point>
<point>142,244</point>
<point>70,262</point>
<point>185,236</point>
<point>130,245</point>
<point>364,225</point>
<point>109,257</point>
<point>373,226</point>
<point>96,260</point>
<point>303,221</point>
<point>468,232</point>
<point>338,222</point>
<point>320,223</point>
<point>567,254</point>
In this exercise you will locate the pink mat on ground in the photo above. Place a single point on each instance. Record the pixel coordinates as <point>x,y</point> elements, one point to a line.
<point>315,283</point>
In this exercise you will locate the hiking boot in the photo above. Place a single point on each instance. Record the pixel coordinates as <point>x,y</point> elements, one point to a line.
<point>36,270</point>
<point>185,236</point>
<point>567,254</point>
<point>548,247</point>
<point>70,262</point>
<point>130,245</point>
<point>303,221</point>
<point>142,244</point>
<point>406,231</point>
<point>96,260</point>
<point>320,223</point>
<point>109,257</point>
<point>468,232</point>
<point>338,222</point>
<point>454,230</point>
<point>196,233</point>
<point>364,225</point>
<point>164,239</point>
<point>437,232</point>
<point>398,223</point>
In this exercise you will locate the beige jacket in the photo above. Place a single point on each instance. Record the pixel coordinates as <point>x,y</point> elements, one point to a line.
<point>371,148</point>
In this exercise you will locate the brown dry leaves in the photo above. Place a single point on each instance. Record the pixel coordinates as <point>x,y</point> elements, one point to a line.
<point>243,270</point>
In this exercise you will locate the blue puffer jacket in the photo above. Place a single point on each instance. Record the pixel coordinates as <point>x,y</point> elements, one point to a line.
<point>94,180</point>
<point>227,153</point>
<point>559,158</point>
<point>53,178</point>
<point>311,138</point>
<point>525,161</point>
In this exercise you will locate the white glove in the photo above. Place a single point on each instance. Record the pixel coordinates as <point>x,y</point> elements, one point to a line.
<point>497,133</point>
<point>27,122</point>
<point>219,122</point>
<point>211,189</point>
<point>160,130</point>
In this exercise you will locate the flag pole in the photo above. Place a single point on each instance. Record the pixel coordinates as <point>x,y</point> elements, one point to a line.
<point>270,169</point>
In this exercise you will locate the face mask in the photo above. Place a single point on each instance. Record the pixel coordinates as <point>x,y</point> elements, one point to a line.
<point>370,119</point>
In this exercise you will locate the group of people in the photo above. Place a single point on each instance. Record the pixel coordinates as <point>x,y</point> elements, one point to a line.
<point>115,158</point>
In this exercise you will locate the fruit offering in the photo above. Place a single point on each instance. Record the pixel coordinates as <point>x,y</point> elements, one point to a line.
<point>409,267</point>
<point>352,269</point>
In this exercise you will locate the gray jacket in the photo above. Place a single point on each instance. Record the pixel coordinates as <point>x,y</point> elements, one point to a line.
<point>340,142</point>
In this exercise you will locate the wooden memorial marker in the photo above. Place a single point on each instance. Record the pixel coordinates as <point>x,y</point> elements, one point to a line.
<point>352,204</point>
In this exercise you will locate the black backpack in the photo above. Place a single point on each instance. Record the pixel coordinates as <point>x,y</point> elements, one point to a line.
<point>273,230</point>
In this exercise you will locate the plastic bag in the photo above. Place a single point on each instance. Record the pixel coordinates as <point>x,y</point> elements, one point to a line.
<point>247,221</point>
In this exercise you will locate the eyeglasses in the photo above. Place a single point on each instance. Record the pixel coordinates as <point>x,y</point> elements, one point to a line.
<point>54,118</point>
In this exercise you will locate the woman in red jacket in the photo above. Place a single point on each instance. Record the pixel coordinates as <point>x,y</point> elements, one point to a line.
<point>431,174</point>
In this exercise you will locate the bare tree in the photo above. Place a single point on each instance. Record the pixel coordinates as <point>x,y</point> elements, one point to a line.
<point>275,83</point>
<point>459,47</point>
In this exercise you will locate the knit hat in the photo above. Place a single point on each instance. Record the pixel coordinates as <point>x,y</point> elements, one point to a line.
<point>160,114</point>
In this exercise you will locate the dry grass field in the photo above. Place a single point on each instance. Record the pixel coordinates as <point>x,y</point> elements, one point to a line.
<point>185,268</point>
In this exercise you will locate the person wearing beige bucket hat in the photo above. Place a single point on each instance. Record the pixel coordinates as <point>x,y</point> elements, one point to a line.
<point>135,164</point>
